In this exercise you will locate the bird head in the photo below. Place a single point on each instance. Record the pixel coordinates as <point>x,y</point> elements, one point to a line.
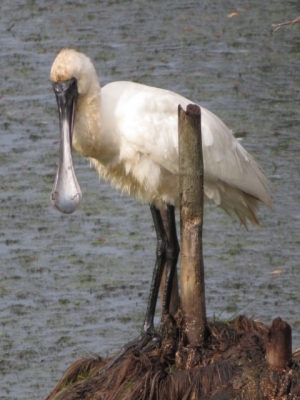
<point>71,64</point>
<point>70,79</point>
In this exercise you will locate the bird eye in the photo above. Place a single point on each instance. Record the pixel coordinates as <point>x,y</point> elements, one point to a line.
<point>56,87</point>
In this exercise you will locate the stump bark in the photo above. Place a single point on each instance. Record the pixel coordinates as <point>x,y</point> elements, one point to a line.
<point>192,293</point>
<point>279,344</point>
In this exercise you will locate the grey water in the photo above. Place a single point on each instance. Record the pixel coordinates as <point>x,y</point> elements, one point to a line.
<point>72,286</point>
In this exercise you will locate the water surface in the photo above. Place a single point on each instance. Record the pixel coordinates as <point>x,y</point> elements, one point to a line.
<point>75,285</point>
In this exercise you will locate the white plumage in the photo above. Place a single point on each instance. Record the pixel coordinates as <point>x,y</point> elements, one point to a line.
<point>129,132</point>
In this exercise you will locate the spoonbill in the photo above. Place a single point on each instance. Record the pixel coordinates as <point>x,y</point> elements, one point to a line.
<point>128,131</point>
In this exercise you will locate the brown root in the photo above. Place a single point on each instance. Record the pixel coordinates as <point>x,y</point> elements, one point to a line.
<point>231,365</point>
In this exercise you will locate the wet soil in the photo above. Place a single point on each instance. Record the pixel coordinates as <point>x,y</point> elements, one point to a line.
<point>75,285</point>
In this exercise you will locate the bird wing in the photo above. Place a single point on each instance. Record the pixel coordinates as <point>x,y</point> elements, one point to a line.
<point>148,120</point>
<point>149,127</point>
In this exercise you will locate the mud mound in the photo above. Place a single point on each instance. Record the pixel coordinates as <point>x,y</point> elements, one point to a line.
<point>231,365</point>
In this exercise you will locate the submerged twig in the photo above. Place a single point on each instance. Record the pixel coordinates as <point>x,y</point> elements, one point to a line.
<point>277,26</point>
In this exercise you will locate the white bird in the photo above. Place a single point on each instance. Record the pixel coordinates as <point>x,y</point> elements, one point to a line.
<point>128,131</point>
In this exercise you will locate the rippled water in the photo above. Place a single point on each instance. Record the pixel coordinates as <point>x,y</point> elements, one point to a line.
<point>75,285</point>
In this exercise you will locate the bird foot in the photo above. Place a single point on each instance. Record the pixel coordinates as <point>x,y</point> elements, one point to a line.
<point>146,342</point>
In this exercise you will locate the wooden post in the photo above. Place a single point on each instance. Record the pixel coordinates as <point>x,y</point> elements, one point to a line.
<point>191,215</point>
<point>279,344</point>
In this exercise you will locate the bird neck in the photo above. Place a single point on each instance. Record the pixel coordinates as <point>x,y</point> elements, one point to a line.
<point>87,123</point>
<point>93,136</point>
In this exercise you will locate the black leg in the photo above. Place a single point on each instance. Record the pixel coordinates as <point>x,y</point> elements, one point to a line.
<point>166,254</point>
<point>172,253</point>
<point>161,250</point>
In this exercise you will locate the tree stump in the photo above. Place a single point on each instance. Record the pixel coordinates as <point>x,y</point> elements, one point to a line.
<point>192,286</point>
<point>279,344</point>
